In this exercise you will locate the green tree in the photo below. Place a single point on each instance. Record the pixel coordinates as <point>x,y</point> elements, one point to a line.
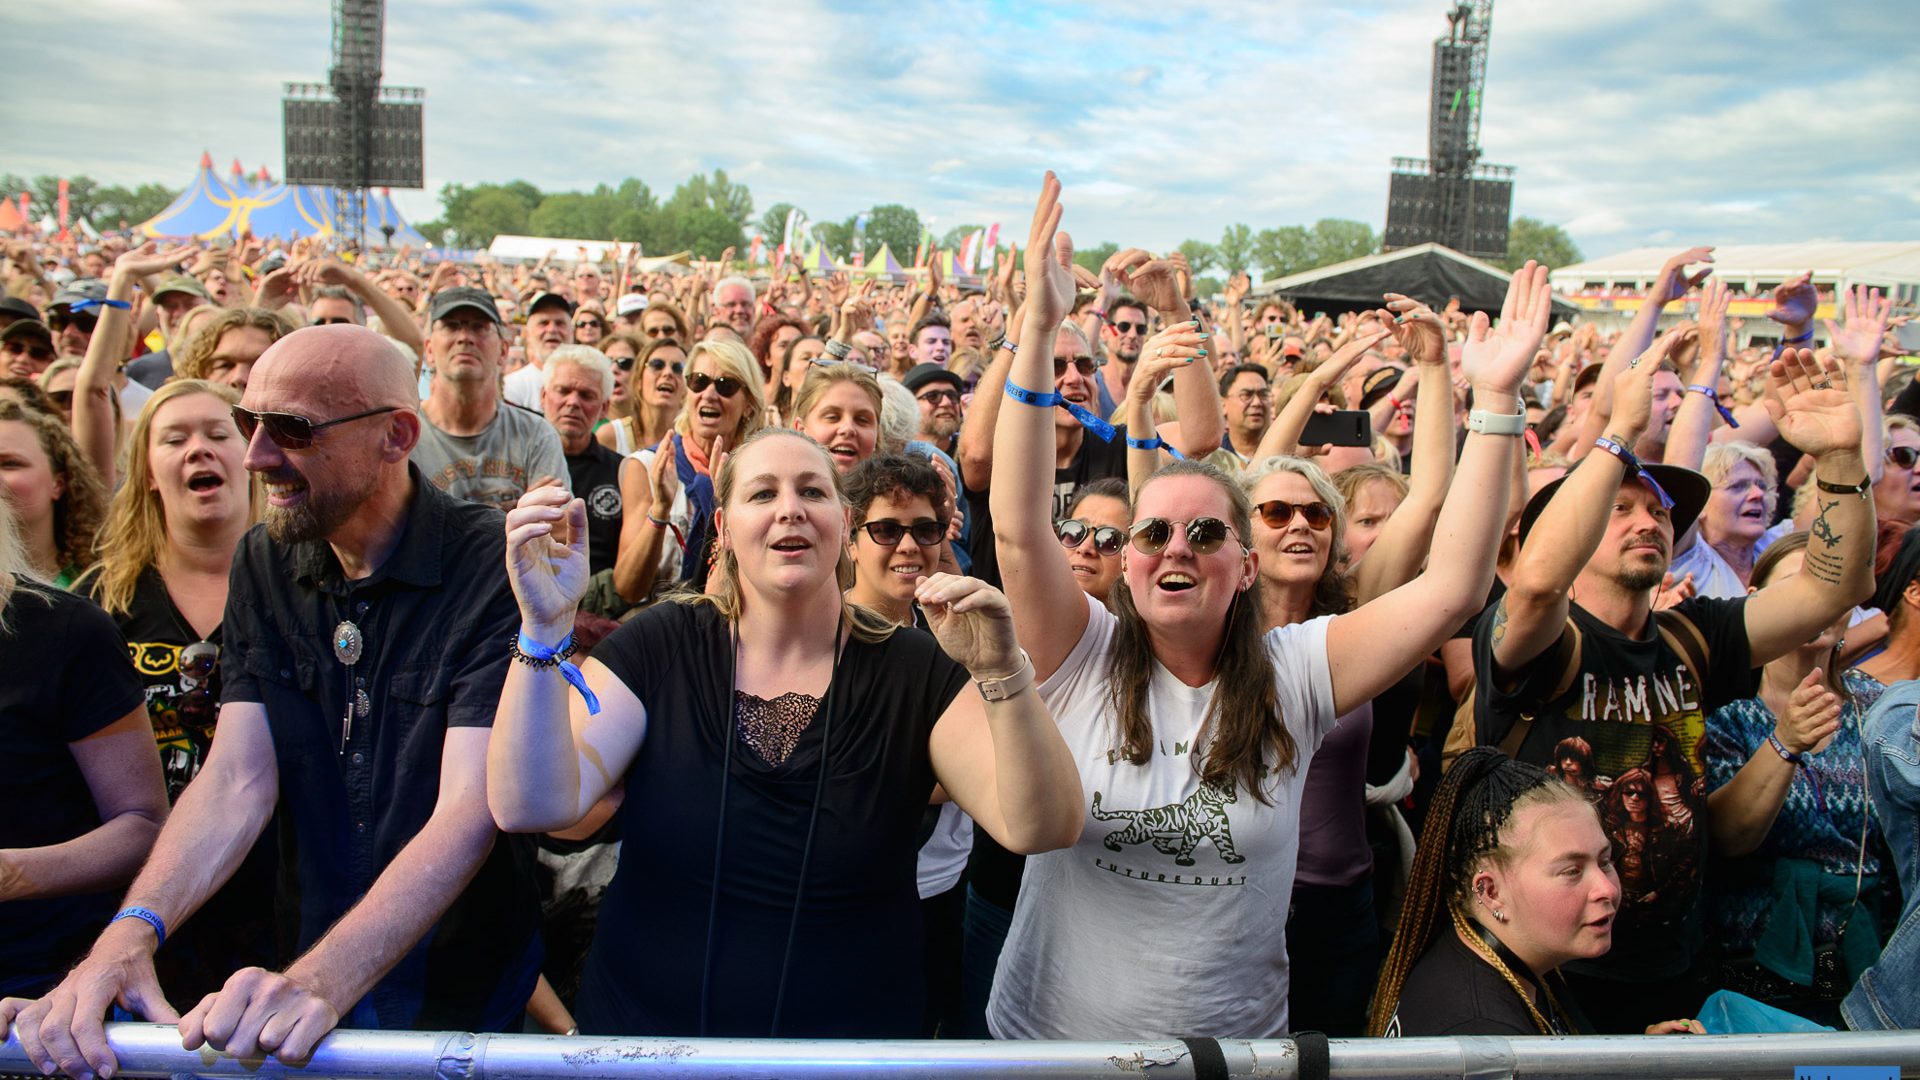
<point>896,226</point>
<point>1547,244</point>
<point>704,230</point>
<point>954,237</point>
<point>572,215</point>
<point>1282,251</point>
<point>118,206</point>
<point>1235,249</point>
<point>715,192</point>
<point>485,215</point>
<point>81,196</point>
<point>773,223</point>
<point>1095,257</point>
<point>1201,256</point>
<point>1337,240</point>
<point>836,237</point>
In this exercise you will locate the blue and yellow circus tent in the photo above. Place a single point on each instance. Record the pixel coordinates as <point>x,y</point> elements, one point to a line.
<point>205,209</point>
<point>381,213</point>
<point>210,207</point>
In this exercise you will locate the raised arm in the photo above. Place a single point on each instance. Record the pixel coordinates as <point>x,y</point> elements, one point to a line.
<point>983,414</point>
<point>1173,348</point>
<point>1381,641</point>
<point>1671,285</point>
<point>396,319</point>
<point>1283,435</point>
<point>1741,811</point>
<point>1049,610</point>
<point>1857,344</point>
<point>1694,421</point>
<point>1401,548</point>
<point>646,527</point>
<point>1196,397</point>
<point>1810,402</point>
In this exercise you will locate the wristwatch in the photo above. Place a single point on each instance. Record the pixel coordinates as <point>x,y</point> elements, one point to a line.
<point>1493,423</point>
<point>1011,685</point>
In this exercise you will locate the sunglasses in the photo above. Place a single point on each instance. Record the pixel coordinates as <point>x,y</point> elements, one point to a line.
<point>935,397</point>
<point>85,320</point>
<point>726,385</point>
<point>661,365</point>
<point>1276,514</point>
<point>1085,365</point>
<point>62,398</point>
<point>887,533</point>
<point>1106,539</point>
<point>595,323</point>
<point>1130,327</point>
<point>1205,535</point>
<point>624,363</point>
<point>39,353</point>
<point>1903,456</point>
<point>291,431</point>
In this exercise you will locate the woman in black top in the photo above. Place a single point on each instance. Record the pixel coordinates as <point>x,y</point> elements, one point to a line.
<point>83,785</point>
<point>779,746</point>
<point>1513,878</point>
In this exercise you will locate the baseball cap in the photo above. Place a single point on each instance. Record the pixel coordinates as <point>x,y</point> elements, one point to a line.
<point>1293,348</point>
<point>1562,329</point>
<point>1688,490</point>
<point>17,308</point>
<point>180,283</point>
<point>31,330</point>
<point>447,301</point>
<point>78,290</point>
<point>922,374</point>
<point>1378,384</point>
<point>630,303</point>
<point>541,299</point>
<point>1587,377</point>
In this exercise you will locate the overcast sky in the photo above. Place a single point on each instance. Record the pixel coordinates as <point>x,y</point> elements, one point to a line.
<point>1630,121</point>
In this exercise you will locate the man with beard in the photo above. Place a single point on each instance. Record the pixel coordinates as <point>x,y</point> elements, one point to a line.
<point>1574,649</point>
<point>472,445</point>
<point>366,626</point>
<point>1125,333</point>
<point>938,392</point>
<point>549,326</point>
<point>1248,398</point>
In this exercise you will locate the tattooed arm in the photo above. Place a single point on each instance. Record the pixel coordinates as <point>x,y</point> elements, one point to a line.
<point>1810,402</point>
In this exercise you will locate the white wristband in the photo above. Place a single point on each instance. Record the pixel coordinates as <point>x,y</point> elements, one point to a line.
<point>1493,423</point>
<point>1002,689</point>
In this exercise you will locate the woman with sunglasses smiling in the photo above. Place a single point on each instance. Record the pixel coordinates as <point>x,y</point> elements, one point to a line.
<point>648,391</point>
<point>667,531</point>
<point>165,553</point>
<point>589,324</point>
<point>1192,726</point>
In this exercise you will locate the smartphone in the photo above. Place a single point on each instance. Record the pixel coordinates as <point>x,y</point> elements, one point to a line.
<point>1342,427</point>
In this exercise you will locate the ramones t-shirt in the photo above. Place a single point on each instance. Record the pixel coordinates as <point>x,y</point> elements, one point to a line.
<point>1630,731</point>
<point>1095,460</point>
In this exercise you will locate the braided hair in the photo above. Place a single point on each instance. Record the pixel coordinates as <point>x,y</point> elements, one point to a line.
<point>1465,823</point>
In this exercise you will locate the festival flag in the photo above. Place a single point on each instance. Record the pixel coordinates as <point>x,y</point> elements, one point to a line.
<point>973,263</point>
<point>966,251</point>
<point>759,252</point>
<point>63,210</point>
<point>780,257</point>
<point>795,223</point>
<point>993,237</point>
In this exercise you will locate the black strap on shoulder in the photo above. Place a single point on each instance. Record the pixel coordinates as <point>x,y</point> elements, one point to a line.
<point>1208,1062</point>
<point>1315,1061</point>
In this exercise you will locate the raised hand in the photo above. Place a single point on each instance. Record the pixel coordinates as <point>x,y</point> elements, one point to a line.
<point>1673,282</point>
<point>1154,282</point>
<point>1417,329</point>
<point>277,289</point>
<point>1867,314</point>
<point>1672,593</point>
<point>973,623</point>
<point>150,258</point>
<point>1176,346</point>
<point>1812,716</point>
<point>663,479</point>
<point>1110,279</point>
<point>1497,358</point>
<point>1809,403</point>
<point>1236,289</point>
<point>1049,261</point>
<point>1794,302</point>
<point>1715,298</point>
<point>547,558</point>
<point>1633,389</point>
<point>837,287</point>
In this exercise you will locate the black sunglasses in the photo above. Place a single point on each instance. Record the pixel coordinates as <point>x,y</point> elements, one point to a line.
<point>887,533</point>
<point>935,397</point>
<point>62,398</point>
<point>291,431</point>
<point>39,353</point>
<point>726,385</point>
<point>595,323</point>
<point>1903,456</point>
<point>678,366</point>
<point>1276,514</point>
<point>85,320</point>
<point>624,363</point>
<point>1106,539</point>
<point>1085,365</point>
<point>1130,327</point>
<point>1205,535</point>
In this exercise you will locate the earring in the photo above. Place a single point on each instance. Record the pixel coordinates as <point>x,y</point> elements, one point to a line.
<point>1500,915</point>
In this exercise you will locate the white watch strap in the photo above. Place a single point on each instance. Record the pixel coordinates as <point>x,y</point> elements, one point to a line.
<point>1002,689</point>
<point>1493,423</point>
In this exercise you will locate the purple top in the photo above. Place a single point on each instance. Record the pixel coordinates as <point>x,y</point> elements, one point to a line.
<point>1333,808</point>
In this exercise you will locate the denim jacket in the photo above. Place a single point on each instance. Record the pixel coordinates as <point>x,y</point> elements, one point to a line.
<point>1888,995</point>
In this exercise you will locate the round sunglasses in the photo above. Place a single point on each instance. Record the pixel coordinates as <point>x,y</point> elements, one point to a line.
<point>1073,532</point>
<point>1276,514</point>
<point>887,532</point>
<point>1205,535</point>
<point>726,385</point>
<point>1903,456</point>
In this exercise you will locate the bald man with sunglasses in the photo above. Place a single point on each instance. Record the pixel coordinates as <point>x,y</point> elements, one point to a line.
<point>366,626</point>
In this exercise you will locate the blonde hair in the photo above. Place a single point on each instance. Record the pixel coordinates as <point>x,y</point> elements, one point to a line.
<point>193,361</point>
<point>1352,479</point>
<point>724,585</point>
<point>1332,594</point>
<point>899,415</point>
<point>821,379</point>
<point>1722,457</point>
<point>77,513</point>
<point>734,359</point>
<point>17,574</point>
<point>135,532</point>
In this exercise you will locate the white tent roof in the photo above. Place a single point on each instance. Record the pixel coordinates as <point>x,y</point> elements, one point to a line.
<point>508,247</point>
<point>1888,264</point>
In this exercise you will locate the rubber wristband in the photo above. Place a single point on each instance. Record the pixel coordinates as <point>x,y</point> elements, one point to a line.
<point>145,916</point>
<point>1781,748</point>
<point>1861,489</point>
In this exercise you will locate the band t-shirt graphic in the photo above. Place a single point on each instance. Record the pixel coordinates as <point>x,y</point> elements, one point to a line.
<point>182,706</point>
<point>1630,732</point>
<point>1170,911</point>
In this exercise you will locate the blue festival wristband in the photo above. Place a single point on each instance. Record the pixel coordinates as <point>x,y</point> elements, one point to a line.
<point>1049,400</point>
<point>1709,393</point>
<point>533,650</point>
<point>1634,468</point>
<point>1155,443</point>
<point>145,916</point>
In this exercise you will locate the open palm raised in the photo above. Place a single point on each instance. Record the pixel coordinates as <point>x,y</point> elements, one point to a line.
<point>1809,403</point>
<point>1496,357</point>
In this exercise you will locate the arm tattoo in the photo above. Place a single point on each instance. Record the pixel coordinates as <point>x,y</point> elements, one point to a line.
<point>1500,622</point>
<point>1823,531</point>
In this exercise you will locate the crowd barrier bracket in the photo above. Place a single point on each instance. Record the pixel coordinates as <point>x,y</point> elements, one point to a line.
<point>153,1051</point>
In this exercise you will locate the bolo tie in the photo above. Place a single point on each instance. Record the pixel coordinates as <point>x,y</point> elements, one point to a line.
<point>348,645</point>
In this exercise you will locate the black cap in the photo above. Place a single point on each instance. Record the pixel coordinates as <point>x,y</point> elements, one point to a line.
<point>1587,377</point>
<point>27,330</point>
<point>922,374</point>
<point>1378,384</point>
<point>542,299</point>
<point>1688,490</point>
<point>18,308</point>
<point>447,301</point>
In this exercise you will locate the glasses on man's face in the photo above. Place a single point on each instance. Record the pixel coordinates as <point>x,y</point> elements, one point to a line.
<point>1276,514</point>
<point>1248,397</point>
<point>887,532</point>
<point>1130,327</point>
<point>1085,365</point>
<point>84,321</point>
<point>726,385</point>
<point>39,354</point>
<point>936,397</point>
<point>1205,535</point>
<point>1073,532</point>
<point>291,431</point>
<point>1903,456</point>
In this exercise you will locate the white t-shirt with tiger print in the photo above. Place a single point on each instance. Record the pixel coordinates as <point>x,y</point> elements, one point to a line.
<point>1168,917</point>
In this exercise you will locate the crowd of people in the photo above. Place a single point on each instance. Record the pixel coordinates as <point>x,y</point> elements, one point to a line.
<point>392,644</point>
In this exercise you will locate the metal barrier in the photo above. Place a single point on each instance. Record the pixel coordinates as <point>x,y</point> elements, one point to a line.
<point>153,1050</point>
